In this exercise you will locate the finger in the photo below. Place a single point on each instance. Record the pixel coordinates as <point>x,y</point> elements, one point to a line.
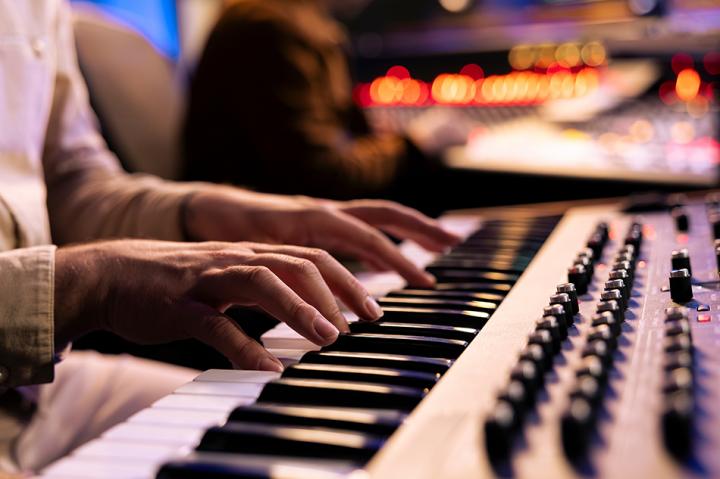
<point>258,286</point>
<point>350,235</point>
<point>223,334</point>
<point>403,222</point>
<point>341,282</point>
<point>304,277</point>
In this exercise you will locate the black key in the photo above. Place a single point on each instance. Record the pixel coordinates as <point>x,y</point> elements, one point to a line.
<point>445,275</point>
<point>375,360</point>
<point>439,303</point>
<point>378,422</point>
<point>340,394</point>
<point>213,465</point>
<point>415,329</point>
<point>395,377</point>
<point>473,287</point>
<point>290,441</point>
<point>468,269</point>
<point>450,317</point>
<point>397,344</point>
<point>483,298</point>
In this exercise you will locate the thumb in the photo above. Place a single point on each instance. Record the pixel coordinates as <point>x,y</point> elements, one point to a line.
<point>220,332</point>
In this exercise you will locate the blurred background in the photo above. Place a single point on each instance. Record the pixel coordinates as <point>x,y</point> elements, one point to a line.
<point>494,102</point>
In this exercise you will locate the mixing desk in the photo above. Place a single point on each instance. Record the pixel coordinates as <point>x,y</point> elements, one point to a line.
<point>558,342</point>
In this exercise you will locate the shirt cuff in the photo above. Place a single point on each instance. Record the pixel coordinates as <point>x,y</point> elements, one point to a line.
<point>27,281</point>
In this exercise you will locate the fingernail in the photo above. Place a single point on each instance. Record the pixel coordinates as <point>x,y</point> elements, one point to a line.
<point>325,328</point>
<point>373,309</point>
<point>430,279</point>
<point>270,364</point>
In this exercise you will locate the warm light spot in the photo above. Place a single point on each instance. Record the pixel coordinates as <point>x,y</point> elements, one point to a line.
<point>682,239</point>
<point>545,56</point>
<point>687,85</point>
<point>711,60</point>
<point>704,318</point>
<point>543,87</point>
<point>455,5</point>
<point>398,71</point>
<point>521,57</point>
<point>410,91</point>
<point>641,131</point>
<point>593,54</point>
<point>453,89</point>
<point>573,134</point>
<point>486,89</point>
<point>680,62</point>
<point>568,55</point>
<point>473,71</point>
<point>682,132</point>
<point>499,90</point>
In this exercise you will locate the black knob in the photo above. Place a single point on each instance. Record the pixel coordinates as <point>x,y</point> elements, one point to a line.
<point>563,299</point>
<point>577,275</point>
<point>611,307</point>
<point>589,388</point>
<point>682,222</point>
<point>680,286</point>
<point>576,428</point>
<point>559,312</point>
<point>677,327</point>
<point>619,285</point>
<point>536,354</point>
<point>528,374</point>
<point>603,229</point>
<point>551,325</point>
<point>675,312</point>
<point>714,220</point>
<point>678,379</point>
<point>569,289</point>
<point>596,243</point>
<point>587,253</point>
<point>680,359</point>
<point>677,423</point>
<point>717,257</point>
<point>599,349</point>
<point>624,265</point>
<point>614,295</point>
<point>519,397</point>
<point>679,343</point>
<point>634,237</point>
<point>500,430</point>
<point>680,259</point>
<point>593,366</point>
<point>589,267</point>
<point>624,275</point>
<point>603,333</point>
<point>543,339</point>
<point>608,319</point>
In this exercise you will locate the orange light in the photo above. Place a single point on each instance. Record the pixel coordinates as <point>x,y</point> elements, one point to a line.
<point>687,85</point>
<point>593,54</point>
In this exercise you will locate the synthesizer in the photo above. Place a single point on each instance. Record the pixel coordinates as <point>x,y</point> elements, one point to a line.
<point>559,341</point>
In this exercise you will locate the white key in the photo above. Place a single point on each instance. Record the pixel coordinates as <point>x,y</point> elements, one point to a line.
<point>236,376</point>
<point>179,417</point>
<point>249,390</point>
<point>288,357</point>
<point>155,434</point>
<point>92,468</point>
<point>282,336</point>
<point>202,403</point>
<point>132,451</point>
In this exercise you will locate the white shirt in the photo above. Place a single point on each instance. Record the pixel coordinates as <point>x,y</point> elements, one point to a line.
<point>58,181</point>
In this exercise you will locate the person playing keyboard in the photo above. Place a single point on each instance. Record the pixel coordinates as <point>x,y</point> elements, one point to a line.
<point>85,246</point>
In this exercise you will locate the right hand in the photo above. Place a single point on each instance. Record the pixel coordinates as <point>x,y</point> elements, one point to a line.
<point>155,291</point>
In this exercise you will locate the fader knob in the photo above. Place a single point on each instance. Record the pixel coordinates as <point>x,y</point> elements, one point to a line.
<point>563,299</point>
<point>677,423</point>
<point>576,427</point>
<point>680,286</point>
<point>680,258</point>
<point>569,289</point>
<point>682,222</point>
<point>577,275</point>
<point>624,275</point>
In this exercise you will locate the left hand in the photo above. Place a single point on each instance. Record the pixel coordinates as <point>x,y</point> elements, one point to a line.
<point>351,227</point>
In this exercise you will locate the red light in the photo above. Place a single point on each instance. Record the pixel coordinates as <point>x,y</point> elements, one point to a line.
<point>704,318</point>
<point>473,71</point>
<point>681,61</point>
<point>399,72</point>
<point>682,238</point>
<point>712,63</point>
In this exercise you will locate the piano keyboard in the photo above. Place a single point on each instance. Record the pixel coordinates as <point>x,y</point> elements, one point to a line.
<point>420,392</point>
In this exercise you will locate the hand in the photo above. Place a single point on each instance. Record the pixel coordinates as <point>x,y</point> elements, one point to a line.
<point>352,227</point>
<point>154,291</point>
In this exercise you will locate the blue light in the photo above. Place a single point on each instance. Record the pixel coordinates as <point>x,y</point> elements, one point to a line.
<point>154,19</point>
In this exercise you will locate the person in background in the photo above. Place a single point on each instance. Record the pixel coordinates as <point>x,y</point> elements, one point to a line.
<point>272,93</point>
<point>85,246</point>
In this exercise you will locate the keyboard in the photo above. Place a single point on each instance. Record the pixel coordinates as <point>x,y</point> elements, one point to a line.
<point>559,342</point>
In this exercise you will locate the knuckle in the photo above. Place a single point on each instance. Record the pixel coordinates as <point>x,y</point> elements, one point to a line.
<point>258,274</point>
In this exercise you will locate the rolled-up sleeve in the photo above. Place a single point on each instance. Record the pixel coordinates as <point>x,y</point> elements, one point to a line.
<point>26,316</point>
<point>89,195</point>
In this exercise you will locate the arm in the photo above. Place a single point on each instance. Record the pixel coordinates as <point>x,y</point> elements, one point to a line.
<point>265,81</point>
<point>89,196</point>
